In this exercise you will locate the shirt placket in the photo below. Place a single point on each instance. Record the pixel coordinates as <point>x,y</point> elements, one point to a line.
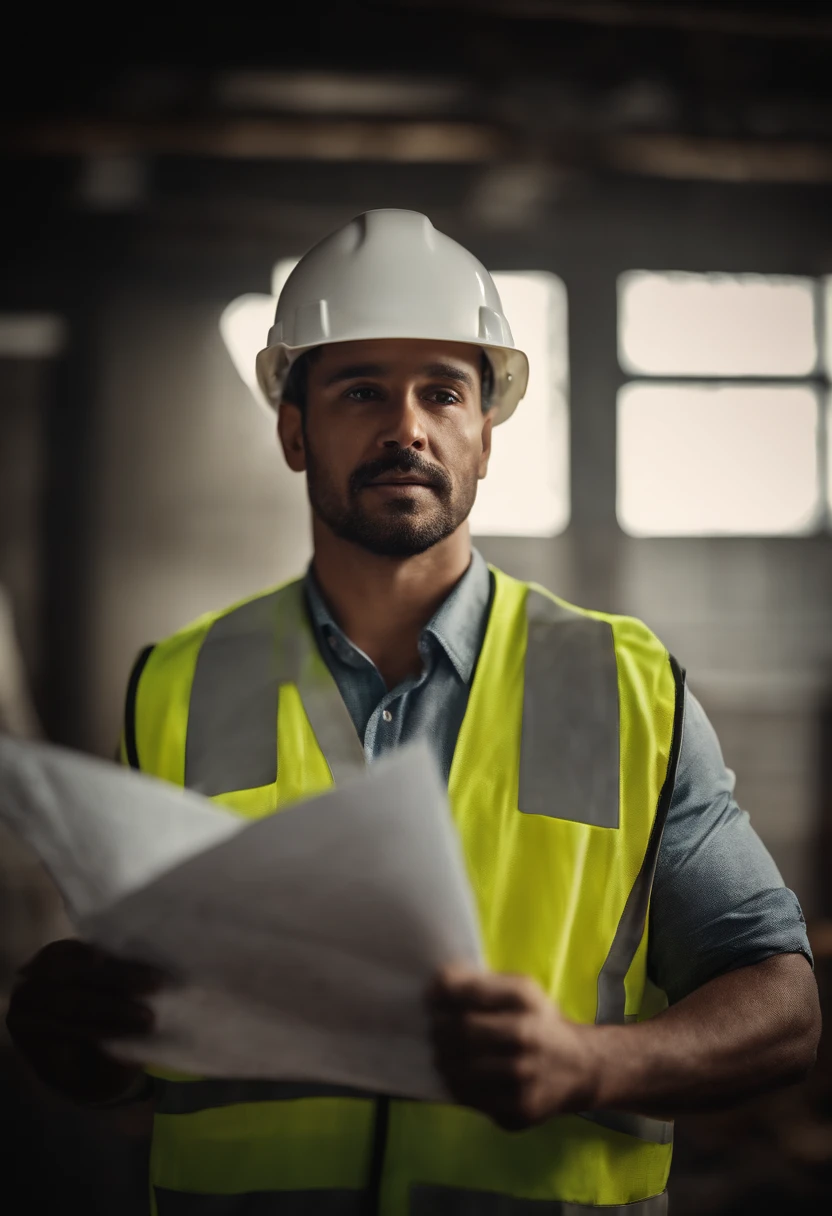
<point>386,723</point>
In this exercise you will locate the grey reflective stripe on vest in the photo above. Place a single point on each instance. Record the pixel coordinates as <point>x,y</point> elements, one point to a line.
<point>653,1131</point>
<point>232,718</point>
<point>188,1097</point>
<point>232,736</point>
<point>323,1202</point>
<point>453,1201</point>
<point>569,765</point>
<point>628,934</point>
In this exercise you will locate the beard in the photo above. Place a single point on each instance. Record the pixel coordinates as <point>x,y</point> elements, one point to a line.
<point>394,527</point>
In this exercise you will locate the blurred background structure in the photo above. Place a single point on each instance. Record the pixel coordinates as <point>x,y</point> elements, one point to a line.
<point>653,181</point>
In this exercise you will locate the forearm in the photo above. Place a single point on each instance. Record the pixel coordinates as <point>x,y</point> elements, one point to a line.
<point>741,1034</point>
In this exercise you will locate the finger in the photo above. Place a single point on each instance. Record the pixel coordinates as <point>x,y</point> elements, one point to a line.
<point>127,975</point>
<point>59,958</point>
<point>453,989</point>
<point>477,1033</point>
<point>494,1089</point>
<point>75,1013</point>
<point>33,1028</point>
<point>72,960</point>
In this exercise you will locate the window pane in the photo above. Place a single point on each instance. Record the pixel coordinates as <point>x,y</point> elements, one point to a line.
<point>702,460</point>
<point>526,492</point>
<point>31,335</point>
<point>829,459</point>
<point>678,324</point>
<point>280,273</point>
<point>827,313</point>
<point>244,326</point>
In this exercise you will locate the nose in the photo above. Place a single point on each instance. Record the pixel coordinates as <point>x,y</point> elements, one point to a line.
<point>404,423</point>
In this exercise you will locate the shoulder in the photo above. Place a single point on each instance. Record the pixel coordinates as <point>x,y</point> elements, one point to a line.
<point>184,645</point>
<point>159,689</point>
<point>634,641</point>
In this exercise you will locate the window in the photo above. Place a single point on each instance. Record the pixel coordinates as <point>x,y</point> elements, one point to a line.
<point>723,433</point>
<point>31,335</point>
<point>526,492</point>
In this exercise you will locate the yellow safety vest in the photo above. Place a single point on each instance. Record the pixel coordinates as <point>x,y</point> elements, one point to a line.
<point>560,784</point>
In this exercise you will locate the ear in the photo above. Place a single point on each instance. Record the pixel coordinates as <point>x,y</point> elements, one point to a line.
<point>290,434</point>
<point>487,428</point>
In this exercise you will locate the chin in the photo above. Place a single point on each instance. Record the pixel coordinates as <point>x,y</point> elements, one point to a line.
<point>398,546</point>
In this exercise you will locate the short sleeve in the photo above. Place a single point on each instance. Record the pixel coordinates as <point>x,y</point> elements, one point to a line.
<point>718,899</point>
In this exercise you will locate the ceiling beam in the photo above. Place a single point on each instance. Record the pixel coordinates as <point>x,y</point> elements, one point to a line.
<point>661,155</point>
<point>670,16</point>
<point>697,158</point>
<point>260,139</point>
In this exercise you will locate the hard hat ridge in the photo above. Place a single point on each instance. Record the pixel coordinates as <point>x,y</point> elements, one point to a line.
<point>390,274</point>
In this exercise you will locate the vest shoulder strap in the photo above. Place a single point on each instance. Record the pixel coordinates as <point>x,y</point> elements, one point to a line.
<point>159,690</point>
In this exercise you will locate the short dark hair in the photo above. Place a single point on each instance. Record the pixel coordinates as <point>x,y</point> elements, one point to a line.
<point>295,388</point>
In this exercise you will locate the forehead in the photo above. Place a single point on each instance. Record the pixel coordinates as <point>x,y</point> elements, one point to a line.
<point>396,355</point>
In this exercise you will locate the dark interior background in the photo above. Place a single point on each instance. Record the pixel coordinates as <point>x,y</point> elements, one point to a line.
<point>147,187</point>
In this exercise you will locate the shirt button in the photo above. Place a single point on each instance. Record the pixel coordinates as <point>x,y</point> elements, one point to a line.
<point>388,717</point>
<point>332,641</point>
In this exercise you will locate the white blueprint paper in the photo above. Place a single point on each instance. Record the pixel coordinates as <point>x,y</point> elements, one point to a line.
<point>101,830</point>
<point>302,943</point>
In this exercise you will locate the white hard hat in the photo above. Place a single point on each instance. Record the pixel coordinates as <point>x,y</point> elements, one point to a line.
<point>390,274</point>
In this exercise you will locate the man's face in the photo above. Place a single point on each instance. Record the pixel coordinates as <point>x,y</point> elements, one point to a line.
<point>393,441</point>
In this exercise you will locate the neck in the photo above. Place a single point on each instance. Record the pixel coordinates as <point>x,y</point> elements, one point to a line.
<point>383,603</point>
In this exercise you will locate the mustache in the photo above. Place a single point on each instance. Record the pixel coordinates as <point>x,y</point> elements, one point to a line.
<point>404,462</point>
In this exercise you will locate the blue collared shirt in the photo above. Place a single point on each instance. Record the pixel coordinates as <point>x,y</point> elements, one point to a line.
<point>718,901</point>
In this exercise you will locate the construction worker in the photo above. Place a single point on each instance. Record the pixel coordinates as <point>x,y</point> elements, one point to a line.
<point>645,957</point>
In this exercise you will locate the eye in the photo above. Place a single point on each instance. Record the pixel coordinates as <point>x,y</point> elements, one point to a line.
<point>361,392</point>
<point>443,396</point>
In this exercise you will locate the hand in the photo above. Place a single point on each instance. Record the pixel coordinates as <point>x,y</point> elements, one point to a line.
<point>504,1049</point>
<point>70,998</point>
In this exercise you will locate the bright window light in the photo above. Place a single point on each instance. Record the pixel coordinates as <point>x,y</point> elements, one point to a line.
<point>526,492</point>
<point>718,460</point>
<point>678,324</point>
<point>32,335</point>
<point>829,458</point>
<point>244,325</point>
<point>280,273</point>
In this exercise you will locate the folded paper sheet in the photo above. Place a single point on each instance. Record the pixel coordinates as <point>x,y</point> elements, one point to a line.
<point>301,944</point>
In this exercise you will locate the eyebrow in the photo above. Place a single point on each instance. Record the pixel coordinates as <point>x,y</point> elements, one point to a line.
<point>449,371</point>
<point>355,371</point>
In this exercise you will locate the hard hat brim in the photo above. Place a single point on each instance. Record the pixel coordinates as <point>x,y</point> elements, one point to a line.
<point>511,368</point>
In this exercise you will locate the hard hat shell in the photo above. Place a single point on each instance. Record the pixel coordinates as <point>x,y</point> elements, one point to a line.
<point>390,274</point>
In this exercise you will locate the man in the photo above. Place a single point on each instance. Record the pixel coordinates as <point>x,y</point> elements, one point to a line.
<point>570,746</point>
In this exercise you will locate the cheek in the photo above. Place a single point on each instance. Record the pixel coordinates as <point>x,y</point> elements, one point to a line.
<point>459,450</point>
<point>330,452</point>
<point>469,455</point>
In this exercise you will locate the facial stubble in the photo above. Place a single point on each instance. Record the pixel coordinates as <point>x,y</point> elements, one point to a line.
<point>403,526</point>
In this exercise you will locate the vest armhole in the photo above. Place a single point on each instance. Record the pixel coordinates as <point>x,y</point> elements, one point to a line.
<point>669,785</point>
<point>130,748</point>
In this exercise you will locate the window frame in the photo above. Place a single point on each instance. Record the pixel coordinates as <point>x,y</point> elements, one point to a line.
<point>819,380</point>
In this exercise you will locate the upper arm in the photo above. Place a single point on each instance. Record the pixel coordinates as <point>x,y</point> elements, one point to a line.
<point>718,900</point>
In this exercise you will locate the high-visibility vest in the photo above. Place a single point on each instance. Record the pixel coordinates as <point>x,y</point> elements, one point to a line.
<point>560,784</point>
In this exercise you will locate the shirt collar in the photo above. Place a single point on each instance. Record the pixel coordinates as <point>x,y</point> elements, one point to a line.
<point>457,625</point>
